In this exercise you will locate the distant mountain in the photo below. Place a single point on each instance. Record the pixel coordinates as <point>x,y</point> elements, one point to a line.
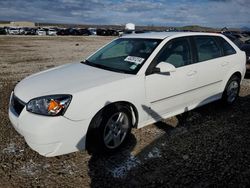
<point>197,28</point>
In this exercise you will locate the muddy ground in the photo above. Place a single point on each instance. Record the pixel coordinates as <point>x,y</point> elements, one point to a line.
<point>208,147</point>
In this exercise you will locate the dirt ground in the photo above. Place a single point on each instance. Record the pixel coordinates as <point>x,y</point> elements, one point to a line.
<point>208,147</point>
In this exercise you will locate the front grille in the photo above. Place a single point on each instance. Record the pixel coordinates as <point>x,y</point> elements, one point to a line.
<point>17,105</point>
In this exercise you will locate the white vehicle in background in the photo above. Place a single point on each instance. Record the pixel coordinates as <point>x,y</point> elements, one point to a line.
<point>41,32</point>
<point>92,30</point>
<point>131,82</point>
<point>52,32</point>
<point>129,28</point>
<point>13,31</point>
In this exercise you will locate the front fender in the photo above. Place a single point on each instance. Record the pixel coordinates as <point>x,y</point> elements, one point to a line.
<point>85,104</point>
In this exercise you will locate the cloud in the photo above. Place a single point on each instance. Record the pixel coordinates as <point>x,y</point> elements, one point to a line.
<point>215,13</point>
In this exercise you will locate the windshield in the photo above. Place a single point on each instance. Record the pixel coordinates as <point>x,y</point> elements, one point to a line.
<point>125,55</point>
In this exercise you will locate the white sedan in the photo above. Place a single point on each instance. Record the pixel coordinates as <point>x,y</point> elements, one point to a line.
<point>131,82</point>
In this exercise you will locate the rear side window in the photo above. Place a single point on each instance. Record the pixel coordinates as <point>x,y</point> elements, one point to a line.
<point>207,48</point>
<point>227,48</point>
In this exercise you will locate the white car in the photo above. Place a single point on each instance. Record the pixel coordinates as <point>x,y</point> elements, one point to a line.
<point>14,31</point>
<point>52,32</point>
<point>41,32</point>
<point>131,82</point>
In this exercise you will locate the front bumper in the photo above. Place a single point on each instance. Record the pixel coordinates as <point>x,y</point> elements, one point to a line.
<point>50,136</point>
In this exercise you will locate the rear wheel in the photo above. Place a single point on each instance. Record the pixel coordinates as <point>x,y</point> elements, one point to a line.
<point>231,91</point>
<point>109,129</point>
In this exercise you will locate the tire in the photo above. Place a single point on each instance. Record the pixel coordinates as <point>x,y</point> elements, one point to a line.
<point>109,130</point>
<point>231,91</point>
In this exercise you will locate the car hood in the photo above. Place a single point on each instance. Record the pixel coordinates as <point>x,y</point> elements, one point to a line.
<point>66,79</point>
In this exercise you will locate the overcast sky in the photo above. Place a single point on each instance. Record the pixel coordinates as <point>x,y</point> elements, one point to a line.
<point>212,13</point>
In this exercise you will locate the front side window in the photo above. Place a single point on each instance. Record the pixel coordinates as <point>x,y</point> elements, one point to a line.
<point>207,48</point>
<point>176,52</point>
<point>125,55</point>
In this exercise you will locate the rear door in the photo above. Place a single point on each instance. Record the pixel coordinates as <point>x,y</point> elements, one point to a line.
<point>210,67</point>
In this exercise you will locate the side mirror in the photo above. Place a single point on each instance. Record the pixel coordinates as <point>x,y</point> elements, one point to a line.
<point>165,67</point>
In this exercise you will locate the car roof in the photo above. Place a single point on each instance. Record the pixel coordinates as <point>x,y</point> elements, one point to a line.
<point>163,35</point>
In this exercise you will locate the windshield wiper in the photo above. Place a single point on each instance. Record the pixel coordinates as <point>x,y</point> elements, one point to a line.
<point>85,61</point>
<point>94,64</point>
<point>103,67</point>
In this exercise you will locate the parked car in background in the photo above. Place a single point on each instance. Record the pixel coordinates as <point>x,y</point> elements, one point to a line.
<point>241,36</point>
<point>2,31</point>
<point>27,31</point>
<point>41,32</point>
<point>101,32</point>
<point>72,31</point>
<point>107,32</point>
<point>247,41</point>
<point>133,81</point>
<point>13,31</point>
<point>52,32</point>
<point>92,30</point>
<point>84,32</point>
<point>62,32</point>
<point>112,32</point>
<point>244,47</point>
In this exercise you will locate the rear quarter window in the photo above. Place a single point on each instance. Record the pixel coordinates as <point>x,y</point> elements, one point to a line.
<point>226,47</point>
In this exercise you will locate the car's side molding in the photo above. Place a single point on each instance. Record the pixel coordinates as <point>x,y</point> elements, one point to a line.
<point>186,91</point>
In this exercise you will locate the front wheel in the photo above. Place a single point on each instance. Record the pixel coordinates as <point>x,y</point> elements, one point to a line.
<point>109,129</point>
<point>231,91</point>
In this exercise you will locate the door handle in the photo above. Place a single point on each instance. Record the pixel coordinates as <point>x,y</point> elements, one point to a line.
<point>224,64</point>
<point>191,73</point>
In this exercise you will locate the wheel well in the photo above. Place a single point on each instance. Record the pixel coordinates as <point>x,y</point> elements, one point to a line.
<point>238,74</point>
<point>130,106</point>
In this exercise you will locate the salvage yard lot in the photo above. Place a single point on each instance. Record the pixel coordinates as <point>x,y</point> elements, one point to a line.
<point>209,146</point>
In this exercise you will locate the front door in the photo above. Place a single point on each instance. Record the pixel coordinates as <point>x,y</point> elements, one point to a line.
<point>165,92</point>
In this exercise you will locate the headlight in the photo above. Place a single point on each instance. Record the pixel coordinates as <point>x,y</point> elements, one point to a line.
<point>53,105</point>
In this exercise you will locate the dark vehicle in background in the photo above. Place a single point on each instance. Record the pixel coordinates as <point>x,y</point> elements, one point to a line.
<point>112,32</point>
<point>27,31</point>
<point>63,32</point>
<point>101,32</point>
<point>247,42</point>
<point>74,32</point>
<point>243,46</point>
<point>2,31</point>
<point>242,36</point>
<point>84,32</point>
<point>107,32</point>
